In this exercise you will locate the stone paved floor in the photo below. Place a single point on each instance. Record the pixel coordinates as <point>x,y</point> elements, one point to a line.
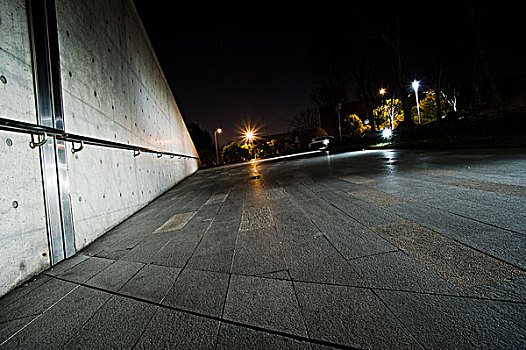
<point>373,249</point>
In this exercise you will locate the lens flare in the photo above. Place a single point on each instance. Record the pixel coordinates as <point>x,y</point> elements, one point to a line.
<point>249,134</point>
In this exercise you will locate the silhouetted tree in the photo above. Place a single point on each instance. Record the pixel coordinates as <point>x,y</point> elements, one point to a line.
<point>475,12</point>
<point>202,142</point>
<point>201,138</point>
<point>306,119</point>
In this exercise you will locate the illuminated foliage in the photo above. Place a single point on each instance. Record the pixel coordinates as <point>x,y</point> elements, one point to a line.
<point>352,125</point>
<point>265,149</point>
<point>233,153</point>
<point>383,113</point>
<point>428,108</point>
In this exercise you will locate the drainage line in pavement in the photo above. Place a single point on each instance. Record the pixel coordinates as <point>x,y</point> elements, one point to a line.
<point>214,318</point>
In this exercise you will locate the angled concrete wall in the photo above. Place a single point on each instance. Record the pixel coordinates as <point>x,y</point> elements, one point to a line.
<point>114,89</point>
<point>23,236</point>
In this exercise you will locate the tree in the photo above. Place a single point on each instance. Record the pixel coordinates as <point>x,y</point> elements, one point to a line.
<point>391,34</point>
<point>234,153</point>
<point>352,125</point>
<point>450,96</point>
<point>391,109</point>
<point>201,138</point>
<point>202,142</point>
<point>265,149</point>
<point>306,119</point>
<point>428,108</point>
<point>475,12</point>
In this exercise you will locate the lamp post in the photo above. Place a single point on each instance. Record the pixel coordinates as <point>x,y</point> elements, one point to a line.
<point>338,109</point>
<point>218,131</point>
<point>382,93</point>
<point>415,85</point>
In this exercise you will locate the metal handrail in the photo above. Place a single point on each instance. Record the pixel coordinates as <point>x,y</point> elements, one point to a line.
<point>34,129</point>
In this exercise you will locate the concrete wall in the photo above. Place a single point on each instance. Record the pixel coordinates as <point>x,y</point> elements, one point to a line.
<point>23,236</point>
<point>114,89</point>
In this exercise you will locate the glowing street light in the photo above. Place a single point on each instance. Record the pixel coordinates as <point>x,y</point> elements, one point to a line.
<point>218,131</point>
<point>249,134</point>
<point>415,85</point>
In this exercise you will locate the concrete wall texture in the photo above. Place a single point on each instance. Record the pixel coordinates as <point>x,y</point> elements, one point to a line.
<point>112,88</point>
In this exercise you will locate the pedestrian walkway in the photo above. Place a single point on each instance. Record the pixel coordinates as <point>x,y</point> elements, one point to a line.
<point>375,249</point>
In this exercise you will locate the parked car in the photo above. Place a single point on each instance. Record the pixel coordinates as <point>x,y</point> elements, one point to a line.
<point>321,142</point>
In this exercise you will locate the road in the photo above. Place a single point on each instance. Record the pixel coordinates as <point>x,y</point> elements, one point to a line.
<point>372,249</point>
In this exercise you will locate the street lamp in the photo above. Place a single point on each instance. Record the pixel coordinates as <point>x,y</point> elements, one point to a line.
<point>218,131</point>
<point>415,85</point>
<point>249,136</point>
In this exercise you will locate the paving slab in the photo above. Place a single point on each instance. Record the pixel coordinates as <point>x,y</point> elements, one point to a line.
<point>215,251</point>
<point>276,193</point>
<point>54,327</point>
<point>9,328</point>
<point>148,247</point>
<point>118,324</point>
<point>350,316</point>
<point>499,243</point>
<point>351,238</point>
<point>512,290</point>
<point>291,219</point>
<point>199,291</point>
<point>461,265</point>
<point>176,222</point>
<point>36,300</point>
<point>264,302</point>
<point>258,252</point>
<point>397,270</point>
<point>445,322</point>
<point>151,283</point>
<point>23,290</point>
<point>115,275</point>
<point>298,191</point>
<point>365,213</point>
<point>170,329</point>
<point>507,189</point>
<point>177,252</point>
<point>317,260</point>
<point>254,218</point>
<point>237,337</point>
<point>85,270</point>
<point>379,198</point>
<point>217,198</point>
<point>65,265</point>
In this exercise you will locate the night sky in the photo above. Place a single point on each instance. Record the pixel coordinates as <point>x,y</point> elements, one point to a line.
<point>229,66</point>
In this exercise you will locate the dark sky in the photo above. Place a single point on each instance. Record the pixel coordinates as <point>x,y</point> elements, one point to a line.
<point>229,66</point>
